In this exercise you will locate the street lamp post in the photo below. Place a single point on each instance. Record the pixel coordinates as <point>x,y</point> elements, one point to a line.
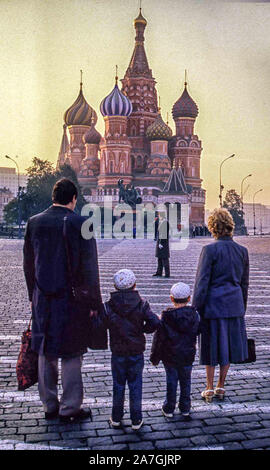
<point>221,187</point>
<point>242,193</point>
<point>254,212</point>
<point>19,196</point>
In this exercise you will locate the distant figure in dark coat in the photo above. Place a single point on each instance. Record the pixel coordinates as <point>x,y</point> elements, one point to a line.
<point>128,317</point>
<point>220,296</point>
<point>60,325</point>
<point>174,344</point>
<point>156,224</point>
<point>162,247</point>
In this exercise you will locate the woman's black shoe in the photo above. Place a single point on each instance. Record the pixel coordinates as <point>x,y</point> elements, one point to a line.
<point>80,416</point>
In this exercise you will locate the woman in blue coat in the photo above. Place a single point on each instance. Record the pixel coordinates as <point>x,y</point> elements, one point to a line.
<point>220,296</point>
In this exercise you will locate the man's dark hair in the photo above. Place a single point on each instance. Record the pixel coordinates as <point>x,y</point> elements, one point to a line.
<point>63,191</point>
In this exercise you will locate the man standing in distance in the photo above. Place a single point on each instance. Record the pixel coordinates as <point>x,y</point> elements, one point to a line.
<point>162,247</point>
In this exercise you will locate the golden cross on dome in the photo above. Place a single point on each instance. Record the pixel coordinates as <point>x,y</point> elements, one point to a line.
<point>185,77</point>
<point>81,72</point>
<point>116,74</point>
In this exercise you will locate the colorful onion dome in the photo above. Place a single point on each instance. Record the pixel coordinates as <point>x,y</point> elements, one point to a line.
<point>159,130</point>
<point>185,106</point>
<point>140,19</point>
<point>92,136</point>
<point>116,103</point>
<point>80,113</point>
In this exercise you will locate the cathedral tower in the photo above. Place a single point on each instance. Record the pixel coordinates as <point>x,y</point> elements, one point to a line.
<point>89,169</point>
<point>139,85</point>
<point>158,163</point>
<point>115,160</point>
<point>185,146</point>
<point>78,118</point>
<point>185,150</point>
<point>64,148</point>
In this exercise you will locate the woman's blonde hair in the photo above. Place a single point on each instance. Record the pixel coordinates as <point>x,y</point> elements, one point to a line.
<point>220,223</point>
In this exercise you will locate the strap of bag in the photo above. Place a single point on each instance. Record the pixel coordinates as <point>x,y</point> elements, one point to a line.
<point>68,256</point>
<point>29,324</point>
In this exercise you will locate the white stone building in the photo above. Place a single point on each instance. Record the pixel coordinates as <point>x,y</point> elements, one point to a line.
<point>9,179</point>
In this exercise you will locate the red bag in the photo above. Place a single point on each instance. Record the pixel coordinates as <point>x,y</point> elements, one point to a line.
<point>27,363</point>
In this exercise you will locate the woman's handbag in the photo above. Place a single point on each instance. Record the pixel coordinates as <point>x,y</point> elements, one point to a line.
<point>27,363</point>
<point>251,352</point>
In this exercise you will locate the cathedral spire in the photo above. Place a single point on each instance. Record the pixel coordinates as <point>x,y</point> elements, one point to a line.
<point>63,148</point>
<point>64,143</point>
<point>138,66</point>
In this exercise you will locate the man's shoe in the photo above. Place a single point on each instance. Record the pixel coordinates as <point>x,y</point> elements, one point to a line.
<point>115,424</point>
<point>52,414</point>
<point>136,425</point>
<point>167,275</point>
<point>80,416</point>
<point>167,415</point>
<point>157,275</point>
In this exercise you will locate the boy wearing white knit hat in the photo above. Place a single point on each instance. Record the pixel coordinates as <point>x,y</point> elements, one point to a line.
<point>174,344</point>
<point>128,317</point>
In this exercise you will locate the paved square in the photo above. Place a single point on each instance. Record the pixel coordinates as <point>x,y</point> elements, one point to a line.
<point>241,422</point>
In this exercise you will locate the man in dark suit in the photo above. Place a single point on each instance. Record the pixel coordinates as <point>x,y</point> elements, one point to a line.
<point>162,247</point>
<point>60,325</point>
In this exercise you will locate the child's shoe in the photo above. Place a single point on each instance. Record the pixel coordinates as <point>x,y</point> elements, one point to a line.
<point>167,415</point>
<point>115,424</point>
<point>186,416</point>
<point>136,425</point>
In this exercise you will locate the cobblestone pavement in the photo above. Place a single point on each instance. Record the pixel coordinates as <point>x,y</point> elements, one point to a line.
<point>242,421</point>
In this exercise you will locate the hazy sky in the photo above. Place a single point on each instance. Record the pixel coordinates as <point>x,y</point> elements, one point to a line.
<point>224,45</point>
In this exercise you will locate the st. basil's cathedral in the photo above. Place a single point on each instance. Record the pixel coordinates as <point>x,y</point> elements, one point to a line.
<point>138,146</point>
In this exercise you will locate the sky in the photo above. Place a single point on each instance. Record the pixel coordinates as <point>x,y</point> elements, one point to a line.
<point>223,44</point>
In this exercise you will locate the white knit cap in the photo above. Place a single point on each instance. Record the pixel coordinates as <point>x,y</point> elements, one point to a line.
<point>180,290</point>
<point>124,279</point>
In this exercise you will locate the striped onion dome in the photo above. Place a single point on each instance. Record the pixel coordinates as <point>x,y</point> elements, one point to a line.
<point>185,106</point>
<point>158,130</point>
<point>80,113</point>
<point>116,104</point>
<point>92,136</point>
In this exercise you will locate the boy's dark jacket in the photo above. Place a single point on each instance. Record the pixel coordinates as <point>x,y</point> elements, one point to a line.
<point>174,342</point>
<point>128,317</point>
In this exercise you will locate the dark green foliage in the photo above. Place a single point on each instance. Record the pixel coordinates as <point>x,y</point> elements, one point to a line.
<point>233,203</point>
<point>41,178</point>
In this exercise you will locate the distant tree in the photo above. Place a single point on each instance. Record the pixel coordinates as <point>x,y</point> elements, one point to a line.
<point>11,212</point>
<point>232,202</point>
<point>38,195</point>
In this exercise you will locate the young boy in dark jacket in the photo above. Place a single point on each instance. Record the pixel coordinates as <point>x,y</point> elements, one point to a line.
<point>174,344</point>
<point>128,317</point>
